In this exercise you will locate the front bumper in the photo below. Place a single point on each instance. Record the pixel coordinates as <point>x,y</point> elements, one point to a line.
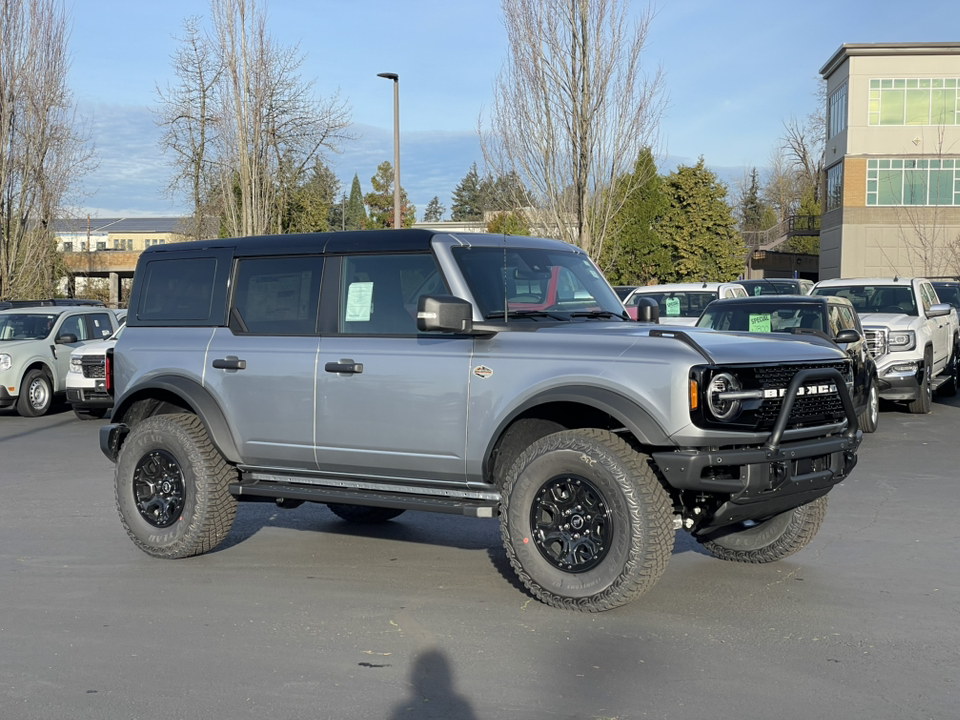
<point>89,397</point>
<point>6,399</point>
<point>900,380</point>
<point>763,481</point>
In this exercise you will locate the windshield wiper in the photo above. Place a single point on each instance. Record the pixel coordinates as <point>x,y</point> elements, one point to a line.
<point>527,314</point>
<point>599,314</point>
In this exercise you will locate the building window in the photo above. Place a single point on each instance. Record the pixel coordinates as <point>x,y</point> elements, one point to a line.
<point>101,245</point>
<point>129,244</point>
<point>835,187</point>
<point>68,247</point>
<point>837,112</point>
<point>914,101</point>
<point>910,181</point>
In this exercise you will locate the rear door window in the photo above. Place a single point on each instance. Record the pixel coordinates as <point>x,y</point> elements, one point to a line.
<point>277,296</point>
<point>98,326</point>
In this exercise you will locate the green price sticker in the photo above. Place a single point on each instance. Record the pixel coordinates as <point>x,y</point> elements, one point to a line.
<point>673,307</point>
<point>760,323</point>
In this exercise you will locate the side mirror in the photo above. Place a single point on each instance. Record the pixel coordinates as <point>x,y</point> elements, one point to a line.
<point>845,337</point>
<point>66,339</point>
<point>648,310</point>
<point>444,313</point>
<point>939,310</point>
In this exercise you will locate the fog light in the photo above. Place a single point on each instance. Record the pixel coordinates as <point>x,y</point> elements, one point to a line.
<point>910,367</point>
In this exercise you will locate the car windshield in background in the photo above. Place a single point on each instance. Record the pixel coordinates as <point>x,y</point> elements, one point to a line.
<point>26,327</point>
<point>537,284</point>
<point>678,304</point>
<point>772,287</point>
<point>763,317</point>
<point>895,299</point>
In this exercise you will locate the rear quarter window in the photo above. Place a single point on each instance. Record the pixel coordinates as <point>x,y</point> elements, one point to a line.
<point>178,289</point>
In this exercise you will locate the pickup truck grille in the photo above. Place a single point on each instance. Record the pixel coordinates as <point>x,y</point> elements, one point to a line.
<point>93,367</point>
<point>808,410</point>
<point>876,341</point>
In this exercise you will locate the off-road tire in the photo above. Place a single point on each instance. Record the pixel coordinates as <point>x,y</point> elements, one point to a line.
<point>207,509</point>
<point>769,541</point>
<point>631,499</point>
<point>924,401</point>
<point>869,419</point>
<point>36,394</point>
<point>949,388</point>
<point>89,413</point>
<point>364,514</point>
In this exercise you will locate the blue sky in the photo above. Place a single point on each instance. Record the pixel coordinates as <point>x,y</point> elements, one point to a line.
<point>734,70</point>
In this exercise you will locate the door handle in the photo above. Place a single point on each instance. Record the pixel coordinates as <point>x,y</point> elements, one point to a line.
<point>230,363</point>
<point>344,366</point>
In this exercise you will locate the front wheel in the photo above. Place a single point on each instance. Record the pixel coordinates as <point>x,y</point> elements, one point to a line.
<point>869,419</point>
<point>949,388</point>
<point>585,522</point>
<point>768,541</point>
<point>36,394</point>
<point>921,406</point>
<point>172,488</point>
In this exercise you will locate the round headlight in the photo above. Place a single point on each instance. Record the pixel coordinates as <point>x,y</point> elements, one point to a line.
<point>721,408</point>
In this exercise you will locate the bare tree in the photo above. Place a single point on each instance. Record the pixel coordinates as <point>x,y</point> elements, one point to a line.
<point>43,145</point>
<point>804,142</point>
<point>573,110</point>
<point>242,124</point>
<point>186,116</point>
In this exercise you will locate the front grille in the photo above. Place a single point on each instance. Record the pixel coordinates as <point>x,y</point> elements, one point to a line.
<point>808,410</point>
<point>94,367</point>
<point>876,341</point>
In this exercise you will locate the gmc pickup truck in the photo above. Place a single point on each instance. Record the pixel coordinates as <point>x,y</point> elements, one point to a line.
<point>914,338</point>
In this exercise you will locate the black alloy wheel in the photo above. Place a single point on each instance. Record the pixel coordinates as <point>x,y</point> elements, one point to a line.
<point>159,488</point>
<point>571,524</point>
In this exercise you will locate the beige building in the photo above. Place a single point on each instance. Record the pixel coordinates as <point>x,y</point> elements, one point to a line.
<point>892,159</point>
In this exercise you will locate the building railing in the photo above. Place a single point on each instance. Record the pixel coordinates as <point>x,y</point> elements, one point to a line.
<point>793,226</point>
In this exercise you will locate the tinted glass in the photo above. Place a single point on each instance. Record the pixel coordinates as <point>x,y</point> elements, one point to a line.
<point>763,317</point>
<point>99,326</point>
<point>277,296</point>
<point>379,293</point>
<point>26,327</point>
<point>681,303</point>
<point>74,326</point>
<point>179,289</point>
<point>875,298</point>
<point>948,294</point>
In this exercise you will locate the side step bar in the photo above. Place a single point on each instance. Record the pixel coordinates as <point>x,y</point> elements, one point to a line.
<point>470,507</point>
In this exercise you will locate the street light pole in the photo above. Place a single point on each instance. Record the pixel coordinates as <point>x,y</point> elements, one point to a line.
<point>397,219</point>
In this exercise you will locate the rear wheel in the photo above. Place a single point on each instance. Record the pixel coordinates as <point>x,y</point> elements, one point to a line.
<point>585,522</point>
<point>36,394</point>
<point>172,488</point>
<point>869,419</point>
<point>363,514</point>
<point>921,406</point>
<point>768,541</point>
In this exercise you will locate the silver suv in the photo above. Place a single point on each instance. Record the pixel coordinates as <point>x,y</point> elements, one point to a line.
<point>379,372</point>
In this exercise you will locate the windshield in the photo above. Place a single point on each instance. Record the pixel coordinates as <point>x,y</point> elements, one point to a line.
<point>763,317</point>
<point>537,284</point>
<point>679,303</point>
<point>24,326</point>
<point>772,287</point>
<point>896,299</point>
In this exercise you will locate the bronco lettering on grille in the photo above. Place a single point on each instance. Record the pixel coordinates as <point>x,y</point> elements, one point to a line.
<point>830,389</point>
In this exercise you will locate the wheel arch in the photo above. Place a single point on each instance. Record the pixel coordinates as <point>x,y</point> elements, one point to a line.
<point>174,394</point>
<point>44,366</point>
<point>571,407</point>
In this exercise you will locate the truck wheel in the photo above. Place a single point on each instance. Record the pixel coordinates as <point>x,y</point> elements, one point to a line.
<point>869,419</point>
<point>949,388</point>
<point>585,522</point>
<point>768,541</point>
<point>172,488</point>
<point>363,514</point>
<point>921,406</point>
<point>36,394</point>
<point>85,413</point>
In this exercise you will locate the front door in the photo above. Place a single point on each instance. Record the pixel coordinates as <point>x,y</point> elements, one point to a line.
<point>391,401</point>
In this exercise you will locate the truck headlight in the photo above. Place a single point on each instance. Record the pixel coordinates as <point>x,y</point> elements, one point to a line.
<point>723,408</point>
<point>902,340</point>
<point>6,362</point>
<point>75,365</point>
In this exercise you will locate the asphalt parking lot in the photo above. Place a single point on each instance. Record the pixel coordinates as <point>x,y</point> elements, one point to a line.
<point>300,615</point>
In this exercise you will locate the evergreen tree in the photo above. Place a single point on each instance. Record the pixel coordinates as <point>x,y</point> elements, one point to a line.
<point>312,203</point>
<point>634,253</point>
<point>356,213</point>
<point>751,207</point>
<point>509,223</point>
<point>380,200</point>
<point>698,228</point>
<point>503,193</point>
<point>467,203</point>
<point>434,211</point>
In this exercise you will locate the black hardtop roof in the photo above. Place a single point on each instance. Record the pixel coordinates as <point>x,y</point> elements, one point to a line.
<point>781,300</point>
<point>353,241</point>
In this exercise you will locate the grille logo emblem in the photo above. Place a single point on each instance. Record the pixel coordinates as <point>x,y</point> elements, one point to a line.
<point>827,389</point>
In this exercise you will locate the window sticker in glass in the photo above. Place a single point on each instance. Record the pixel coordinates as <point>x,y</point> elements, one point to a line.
<point>359,302</point>
<point>673,307</point>
<point>760,322</point>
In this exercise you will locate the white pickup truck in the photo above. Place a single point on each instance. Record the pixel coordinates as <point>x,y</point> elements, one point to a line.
<point>914,338</point>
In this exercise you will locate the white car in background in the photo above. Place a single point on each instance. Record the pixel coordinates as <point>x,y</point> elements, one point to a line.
<point>682,303</point>
<point>86,380</point>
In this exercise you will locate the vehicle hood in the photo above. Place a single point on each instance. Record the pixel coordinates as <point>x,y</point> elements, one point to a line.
<point>724,348</point>
<point>889,320</point>
<point>12,347</point>
<point>95,348</point>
